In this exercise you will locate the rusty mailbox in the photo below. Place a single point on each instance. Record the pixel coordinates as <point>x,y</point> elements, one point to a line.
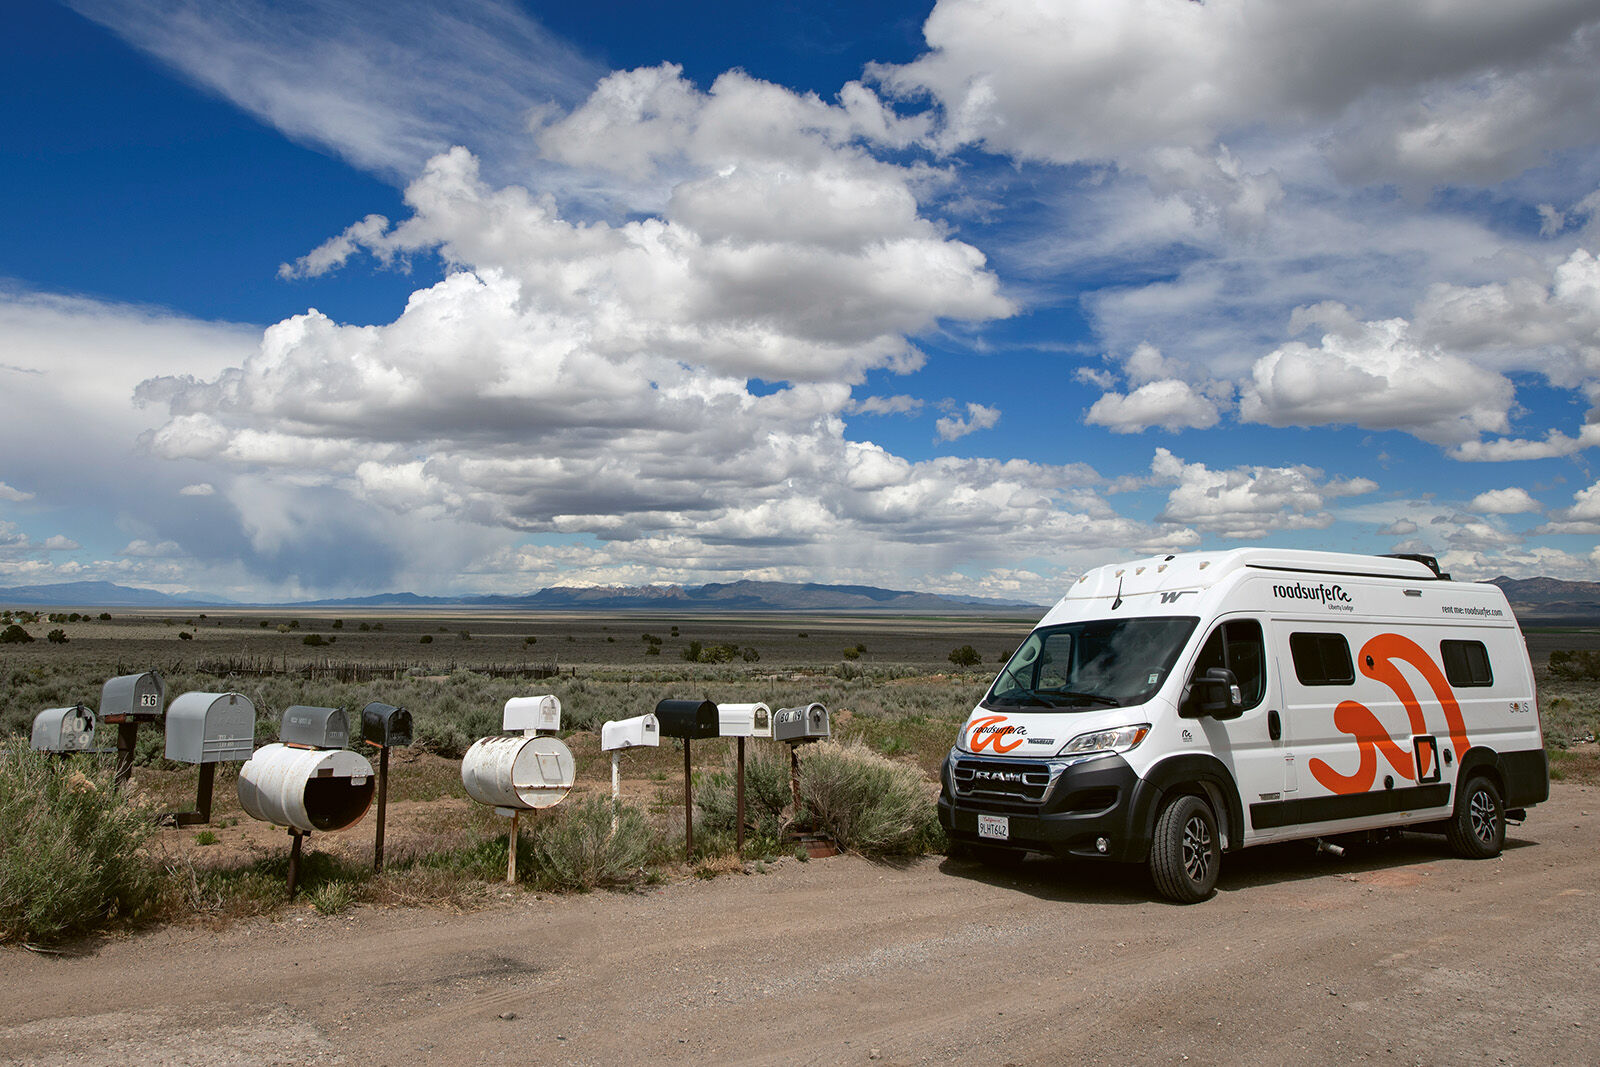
<point>64,729</point>
<point>208,729</point>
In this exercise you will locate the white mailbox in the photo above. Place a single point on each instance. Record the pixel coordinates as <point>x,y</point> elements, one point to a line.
<point>744,720</point>
<point>518,773</point>
<point>64,729</point>
<point>532,714</point>
<point>630,733</point>
<point>306,789</point>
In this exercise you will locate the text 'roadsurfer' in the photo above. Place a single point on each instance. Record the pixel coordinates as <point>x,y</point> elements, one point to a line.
<point>1171,709</point>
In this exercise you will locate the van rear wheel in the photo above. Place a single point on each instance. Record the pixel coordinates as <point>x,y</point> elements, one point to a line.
<point>1186,852</point>
<point>1477,830</point>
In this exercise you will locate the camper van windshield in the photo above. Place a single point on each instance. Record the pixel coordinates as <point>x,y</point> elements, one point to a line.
<point>1103,663</point>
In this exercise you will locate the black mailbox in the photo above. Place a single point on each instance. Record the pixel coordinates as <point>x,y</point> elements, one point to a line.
<point>306,727</point>
<point>688,719</point>
<point>385,725</point>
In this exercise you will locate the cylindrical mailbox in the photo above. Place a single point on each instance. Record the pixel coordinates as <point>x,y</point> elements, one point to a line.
<point>386,725</point>
<point>518,773</point>
<point>688,719</point>
<point>532,713</point>
<point>744,720</point>
<point>63,729</point>
<point>306,789</point>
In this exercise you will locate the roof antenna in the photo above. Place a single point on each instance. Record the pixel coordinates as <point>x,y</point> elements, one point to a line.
<point>1117,603</point>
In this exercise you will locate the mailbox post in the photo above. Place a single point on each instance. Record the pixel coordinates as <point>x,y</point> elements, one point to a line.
<point>307,780</point>
<point>798,726</point>
<point>687,719</point>
<point>741,721</point>
<point>517,774</point>
<point>643,730</point>
<point>208,729</point>
<point>127,702</point>
<point>385,726</point>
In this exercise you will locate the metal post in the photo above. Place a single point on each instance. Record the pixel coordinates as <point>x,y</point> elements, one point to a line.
<point>616,790</point>
<point>739,802</point>
<point>688,807</point>
<point>383,804</point>
<point>511,853</point>
<point>127,737</point>
<point>294,860</point>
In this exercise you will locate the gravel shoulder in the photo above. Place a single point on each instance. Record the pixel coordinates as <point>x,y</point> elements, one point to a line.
<point>1395,954</point>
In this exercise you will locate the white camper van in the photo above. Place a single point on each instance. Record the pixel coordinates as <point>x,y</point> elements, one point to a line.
<point>1171,709</point>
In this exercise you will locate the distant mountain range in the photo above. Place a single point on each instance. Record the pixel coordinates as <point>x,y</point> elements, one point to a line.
<point>733,596</point>
<point>1552,599</point>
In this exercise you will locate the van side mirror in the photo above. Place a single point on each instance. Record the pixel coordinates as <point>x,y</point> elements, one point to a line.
<point>1216,694</point>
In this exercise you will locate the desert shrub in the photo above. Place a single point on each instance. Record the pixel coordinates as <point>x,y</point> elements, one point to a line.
<point>425,639</point>
<point>70,856</point>
<point>865,802</point>
<point>57,637</point>
<point>575,847</point>
<point>15,635</point>
<point>311,639</point>
<point>966,656</point>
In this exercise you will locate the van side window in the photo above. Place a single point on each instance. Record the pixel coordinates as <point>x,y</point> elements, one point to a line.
<point>1466,663</point>
<point>1237,645</point>
<point>1321,659</point>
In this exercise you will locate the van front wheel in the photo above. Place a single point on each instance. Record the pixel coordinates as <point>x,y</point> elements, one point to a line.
<point>1185,854</point>
<point>1477,830</point>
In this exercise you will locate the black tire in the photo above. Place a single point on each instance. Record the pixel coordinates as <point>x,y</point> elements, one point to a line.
<point>1186,852</point>
<point>1477,830</point>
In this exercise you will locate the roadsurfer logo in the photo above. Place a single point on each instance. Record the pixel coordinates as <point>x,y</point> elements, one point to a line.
<point>992,732</point>
<point>1333,596</point>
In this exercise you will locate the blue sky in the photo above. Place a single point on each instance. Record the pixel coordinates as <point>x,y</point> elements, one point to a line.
<point>326,298</point>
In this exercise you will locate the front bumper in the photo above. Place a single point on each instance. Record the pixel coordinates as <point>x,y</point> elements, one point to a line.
<point>1061,807</point>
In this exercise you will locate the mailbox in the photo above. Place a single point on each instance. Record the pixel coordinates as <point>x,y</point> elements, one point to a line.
<point>305,789</point>
<point>385,725</point>
<point>744,720</point>
<point>532,714</point>
<point>305,727</point>
<point>211,728</point>
<point>64,729</point>
<point>809,722</point>
<point>518,773</point>
<point>630,733</point>
<point>688,719</point>
<point>133,698</point>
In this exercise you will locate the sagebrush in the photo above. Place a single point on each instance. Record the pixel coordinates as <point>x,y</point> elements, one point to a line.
<point>866,802</point>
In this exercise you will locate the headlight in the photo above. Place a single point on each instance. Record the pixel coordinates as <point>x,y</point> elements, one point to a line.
<point>1121,739</point>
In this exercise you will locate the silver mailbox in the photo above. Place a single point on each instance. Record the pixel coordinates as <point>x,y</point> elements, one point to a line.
<point>630,733</point>
<point>64,729</point>
<point>531,714</point>
<point>744,720</point>
<point>211,728</point>
<point>133,698</point>
<point>307,727</point>
<point>809,722</point>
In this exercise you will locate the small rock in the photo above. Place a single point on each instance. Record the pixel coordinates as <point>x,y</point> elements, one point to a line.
<point>508,1015</point>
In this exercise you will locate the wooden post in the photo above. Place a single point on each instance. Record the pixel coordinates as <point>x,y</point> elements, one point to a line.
<point>739,802</point>
<point>294,860</point>
<point>688,806</point>
<point>794,779</point>
<point>202,798</point>
<point>127,737</point>
<point>383,804</point>
<point>511,853</point>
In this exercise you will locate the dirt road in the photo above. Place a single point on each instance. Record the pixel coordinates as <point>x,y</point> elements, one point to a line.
<point>1399,954</point>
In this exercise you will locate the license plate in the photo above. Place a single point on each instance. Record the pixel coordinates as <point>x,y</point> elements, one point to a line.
<point>994,826</point>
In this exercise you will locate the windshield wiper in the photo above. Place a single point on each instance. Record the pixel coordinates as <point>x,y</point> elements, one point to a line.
<point>1093,698</point>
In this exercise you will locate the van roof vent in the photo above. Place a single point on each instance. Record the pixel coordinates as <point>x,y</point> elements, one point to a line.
<point>1430,562</point>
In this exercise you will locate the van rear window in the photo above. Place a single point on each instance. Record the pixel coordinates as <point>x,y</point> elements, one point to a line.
<point>1466,663</point>
<point>1321,659</point>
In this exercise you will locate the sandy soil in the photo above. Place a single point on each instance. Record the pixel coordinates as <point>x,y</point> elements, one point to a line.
<point>1395,954</point>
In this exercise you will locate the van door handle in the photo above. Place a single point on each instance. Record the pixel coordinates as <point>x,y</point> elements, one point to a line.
<point>1274,726</point>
